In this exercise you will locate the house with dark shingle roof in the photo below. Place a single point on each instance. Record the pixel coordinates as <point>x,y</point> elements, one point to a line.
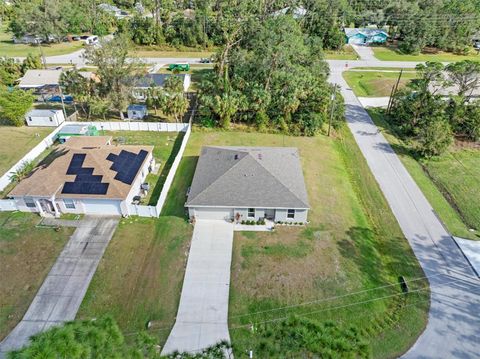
<point>248,183</point>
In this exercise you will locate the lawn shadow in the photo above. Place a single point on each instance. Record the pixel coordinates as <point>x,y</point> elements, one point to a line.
<point>177,196</point>
<point>166,169</point>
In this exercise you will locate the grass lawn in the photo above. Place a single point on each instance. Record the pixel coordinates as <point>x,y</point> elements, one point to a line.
<point>146,51</point>
<point>17,142</point>
<point>347,53</point>
<point>26,255</point>
<point>384,53</point>
<point>8,48</point>
<point>375,84</point>
<point>353,243</point>
<point>450,183</point>
<point>140,276</point>
<point>166,148</point>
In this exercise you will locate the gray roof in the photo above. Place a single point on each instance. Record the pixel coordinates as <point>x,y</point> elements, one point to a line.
<point>39,78</point>
<point>268,177</point>
<point>154,80</point>
<point>42,113</point>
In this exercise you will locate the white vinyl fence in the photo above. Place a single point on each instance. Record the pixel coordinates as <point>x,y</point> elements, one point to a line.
<point>138,210</point>
<point>30,156</point>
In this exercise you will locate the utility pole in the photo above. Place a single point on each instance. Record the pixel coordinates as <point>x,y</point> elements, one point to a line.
<point>334,95</point>
<point>395,89</point>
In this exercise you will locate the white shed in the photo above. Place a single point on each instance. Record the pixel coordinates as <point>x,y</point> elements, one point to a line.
<point>137,112</point>
<point>45,118</point>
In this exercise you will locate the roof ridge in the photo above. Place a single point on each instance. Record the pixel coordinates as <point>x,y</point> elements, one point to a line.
<point>223,174</point>
<point>278,180</point>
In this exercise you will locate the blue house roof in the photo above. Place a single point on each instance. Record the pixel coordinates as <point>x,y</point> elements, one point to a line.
<point>364,32</point>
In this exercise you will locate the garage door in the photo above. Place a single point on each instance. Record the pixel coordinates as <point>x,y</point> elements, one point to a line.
<point>214,213</point>
<point>102,207</point>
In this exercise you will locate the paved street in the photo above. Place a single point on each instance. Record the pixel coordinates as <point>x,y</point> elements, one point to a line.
<point>203,311</point>
<point>62,292</point>
<point>453,329</point>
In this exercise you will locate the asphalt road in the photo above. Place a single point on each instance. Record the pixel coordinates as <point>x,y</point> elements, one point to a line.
<point>453,329</point>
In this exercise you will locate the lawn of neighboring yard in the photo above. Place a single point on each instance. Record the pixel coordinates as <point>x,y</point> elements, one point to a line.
<point>346,53</point>
<point>26,255</point>
<point>8,48</point>
<point>375,84</point>
<point>166,146</point>
<point>392,54</point>
<point>140,276</point>
<point>451,183</point>
<point>16,142</point>
<point>145,51</point>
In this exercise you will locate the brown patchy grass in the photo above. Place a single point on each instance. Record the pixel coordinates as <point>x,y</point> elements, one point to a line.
<point>26,255</point>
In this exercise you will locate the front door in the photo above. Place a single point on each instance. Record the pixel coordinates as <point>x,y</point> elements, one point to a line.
<point>270,214</point>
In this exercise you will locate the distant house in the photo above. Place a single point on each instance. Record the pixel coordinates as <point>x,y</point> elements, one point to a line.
<point>113,10</point>
<point>365,36</point>
<point>137,112</point>
<point>87,175</point>
<point>248,183</point>
<point>44,118</point>
<point>143,83</point>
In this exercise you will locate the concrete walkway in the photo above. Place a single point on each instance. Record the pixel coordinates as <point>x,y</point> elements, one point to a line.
<point>374,101</point>
<point>203,311</point>
<point>453,329</point>
<point>62,292</point>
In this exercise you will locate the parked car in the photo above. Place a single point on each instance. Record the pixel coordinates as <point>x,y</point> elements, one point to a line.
<point>205,60</point>
<point>66,99</point>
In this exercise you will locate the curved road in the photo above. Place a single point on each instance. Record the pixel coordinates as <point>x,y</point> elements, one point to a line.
<point>453,329</point>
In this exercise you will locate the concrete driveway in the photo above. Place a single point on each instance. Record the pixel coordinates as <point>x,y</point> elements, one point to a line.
<point>62,292</point>
<point>203,311</point>
<point>453,329</point>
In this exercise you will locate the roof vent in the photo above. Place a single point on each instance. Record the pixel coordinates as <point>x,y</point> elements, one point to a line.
<point>235,157</point>
<point>259,156</point>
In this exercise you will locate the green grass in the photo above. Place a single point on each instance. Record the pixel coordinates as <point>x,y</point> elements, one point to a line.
<point>346,53</point>
<point>352,243</point>
<point>166,146</point>
<point>26,255</point>
<point>452,179</point>
<point>139,278</point>
<point>16,142</point>
<point>392,54</point>
<point>8,48</point>
<point>375,84</point>
<point>146,51</point>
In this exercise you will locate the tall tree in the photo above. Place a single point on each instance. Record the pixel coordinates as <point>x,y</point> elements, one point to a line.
<point>14,104</point>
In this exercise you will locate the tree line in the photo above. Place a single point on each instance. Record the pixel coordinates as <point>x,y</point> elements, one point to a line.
<point>443,103</point>
<point>444,24</point>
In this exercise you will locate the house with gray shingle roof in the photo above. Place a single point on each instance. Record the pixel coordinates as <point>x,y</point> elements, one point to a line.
<point>248,183</point>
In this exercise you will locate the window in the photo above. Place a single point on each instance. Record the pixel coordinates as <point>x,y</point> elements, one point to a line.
<point>251,213</point>
<point>291,213</point>
<point>30,203</point>
<point>69,203</point>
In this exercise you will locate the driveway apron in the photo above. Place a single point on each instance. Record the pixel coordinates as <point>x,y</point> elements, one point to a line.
<point>203,311</point>
<point>62,292</point>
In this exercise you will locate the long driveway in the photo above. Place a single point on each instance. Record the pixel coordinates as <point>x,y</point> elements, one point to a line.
<point>453,329</point>
<point>62,292</point>
<point>203,311</point>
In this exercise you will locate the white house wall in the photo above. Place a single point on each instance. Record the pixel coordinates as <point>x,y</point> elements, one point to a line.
<point>44,121</point>
<point>300,215</point>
